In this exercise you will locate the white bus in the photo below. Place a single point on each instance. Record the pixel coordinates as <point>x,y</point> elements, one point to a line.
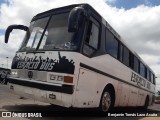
<point>72,57</point>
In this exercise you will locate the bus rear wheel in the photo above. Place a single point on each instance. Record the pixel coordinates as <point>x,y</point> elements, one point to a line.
<point>106,103</point>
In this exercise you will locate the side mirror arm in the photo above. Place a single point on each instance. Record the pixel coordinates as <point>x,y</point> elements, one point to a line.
<point>11,27</point>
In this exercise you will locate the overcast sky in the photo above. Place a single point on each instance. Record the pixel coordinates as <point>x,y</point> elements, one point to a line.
<point>137,21</point>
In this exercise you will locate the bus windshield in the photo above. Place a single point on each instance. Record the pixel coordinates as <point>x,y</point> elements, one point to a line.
<point>54,37</point>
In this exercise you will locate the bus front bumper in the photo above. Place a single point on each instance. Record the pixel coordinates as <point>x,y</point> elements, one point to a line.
<point>42,91</point>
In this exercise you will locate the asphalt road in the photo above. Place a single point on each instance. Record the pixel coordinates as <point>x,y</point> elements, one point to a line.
<point>12,103</point>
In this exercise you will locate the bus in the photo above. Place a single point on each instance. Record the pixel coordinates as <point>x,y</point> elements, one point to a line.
<point>4,72</point>
<point>72,57</point>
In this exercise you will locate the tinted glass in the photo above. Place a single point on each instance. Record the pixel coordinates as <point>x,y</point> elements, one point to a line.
<point>131,60</point>
<point>147,74</point>
<point>142,69</point>
<point>126,56</point>
<point>121,52</point>
<point>136,64</point>
<point>154,81</point>
<point>152,78</point>
<point>112,47</point>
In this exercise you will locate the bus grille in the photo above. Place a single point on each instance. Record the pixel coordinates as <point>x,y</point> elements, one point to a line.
<point>37,75</point>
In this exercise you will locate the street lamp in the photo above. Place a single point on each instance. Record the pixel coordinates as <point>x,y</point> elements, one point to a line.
<point>7,62</point>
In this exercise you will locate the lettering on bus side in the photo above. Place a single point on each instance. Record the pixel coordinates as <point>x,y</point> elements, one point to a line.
<point>140,81</point>
<point>63,65</point>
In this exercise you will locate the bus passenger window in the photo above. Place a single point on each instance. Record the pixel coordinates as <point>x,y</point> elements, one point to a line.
<point>142,69</point>
<point>154,82</point>
<point>126,56</point>
<point>131,60</point>
<point>92,37</point>
<point>112,47</point>
<point>136,64</point>
<point>152,77</point>
<point>121,52</point>
<point>147,72</point>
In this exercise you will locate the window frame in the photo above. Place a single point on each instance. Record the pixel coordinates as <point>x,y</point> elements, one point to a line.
<point>97,23</point>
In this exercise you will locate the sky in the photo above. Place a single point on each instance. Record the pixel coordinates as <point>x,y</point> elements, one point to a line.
<point>137,21</point>
<point>128,4</point>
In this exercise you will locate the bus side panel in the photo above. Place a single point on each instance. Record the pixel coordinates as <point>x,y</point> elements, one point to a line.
<point>133,96</point>
<point>90,87</point>
<point>141,97</point>
<point>124,99</point>
<point>118,93</point>
<point>104,81</point>
<point>86,91</point>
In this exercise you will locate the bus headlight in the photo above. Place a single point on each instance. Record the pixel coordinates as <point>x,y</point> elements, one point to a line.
<point>56,77</point>
<point>14,73</point>
<point>53,77</point>
<point>60,78</point>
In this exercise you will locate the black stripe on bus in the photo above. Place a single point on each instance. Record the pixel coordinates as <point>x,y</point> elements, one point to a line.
<point>111,76</point>
<point>63,89</point>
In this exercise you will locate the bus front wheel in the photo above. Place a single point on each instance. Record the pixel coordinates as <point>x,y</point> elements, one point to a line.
<point>106,103</point>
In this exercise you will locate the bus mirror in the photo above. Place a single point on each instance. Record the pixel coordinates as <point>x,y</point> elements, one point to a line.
<point>75,18</point>
<point>11,27</point>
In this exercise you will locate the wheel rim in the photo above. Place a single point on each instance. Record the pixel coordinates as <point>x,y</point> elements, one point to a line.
<point>106,102</point>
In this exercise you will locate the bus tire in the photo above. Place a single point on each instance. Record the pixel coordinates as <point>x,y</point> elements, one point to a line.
<point>146,103</point>
<point>107,101</point>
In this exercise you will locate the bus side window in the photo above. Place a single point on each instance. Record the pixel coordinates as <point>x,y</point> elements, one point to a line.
<point>131,60</point>
<point>142,69</point>
<point>147,74</point>
<point>136,64</point>
<point>112,46</point>
<point>152,77</point>
<point>154,81</point>
<point>92,38</point>
<point>126,56</point>
<point>120,54</point>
